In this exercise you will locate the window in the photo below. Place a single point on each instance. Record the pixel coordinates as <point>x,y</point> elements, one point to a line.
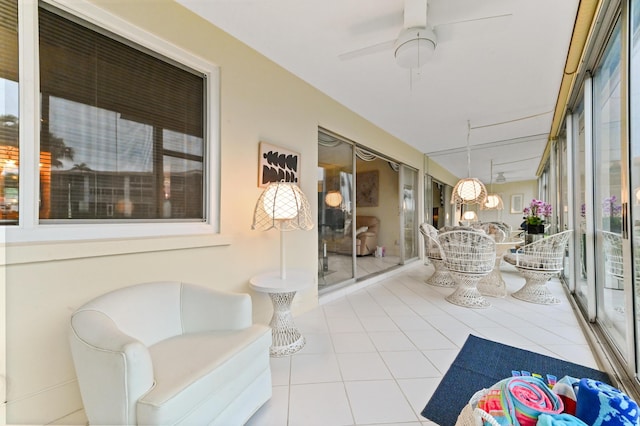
<point>127,129</point>
<point>122,130</point>
<point>9,134</point>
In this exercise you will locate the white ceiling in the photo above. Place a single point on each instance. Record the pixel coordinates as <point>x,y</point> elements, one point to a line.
<point>498,73</point>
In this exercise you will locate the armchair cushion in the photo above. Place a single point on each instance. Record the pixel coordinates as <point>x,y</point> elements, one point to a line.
<point>366,237</point>
<point>361,230</point>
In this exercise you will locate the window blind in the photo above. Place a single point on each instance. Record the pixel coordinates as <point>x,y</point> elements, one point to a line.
<point>122,130</point>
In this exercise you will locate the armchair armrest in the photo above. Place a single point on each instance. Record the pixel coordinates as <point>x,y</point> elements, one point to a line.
<point>113,368</point>
<point>205,309</point>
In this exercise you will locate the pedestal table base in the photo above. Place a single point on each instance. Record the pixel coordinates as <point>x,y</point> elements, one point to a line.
<point>287,339</point>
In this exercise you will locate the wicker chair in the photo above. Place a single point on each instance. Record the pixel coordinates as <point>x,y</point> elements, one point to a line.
<point>440,276</point>
<point>538,262</point>
<point>469,256</point>
<point>613,266</point>
<point>493,230</point>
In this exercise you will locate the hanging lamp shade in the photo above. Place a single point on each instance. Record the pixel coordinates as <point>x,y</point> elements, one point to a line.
<point>470,216</point>
<point>469,191</point>
<point>283,206</point>
<point>493,202</point>
<point>333,198</point>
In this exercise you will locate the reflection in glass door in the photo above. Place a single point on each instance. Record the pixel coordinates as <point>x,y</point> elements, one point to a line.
<point>634,121</point>
<point>607,205</point>
<point>335,211</point>
<point>579,208</point>
<point>409,185</point>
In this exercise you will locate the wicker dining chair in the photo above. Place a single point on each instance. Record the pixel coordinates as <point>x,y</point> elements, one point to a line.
<point>440,276</point>
<point>613,265</point>
<point>469,256</point>
<point>537,262</point>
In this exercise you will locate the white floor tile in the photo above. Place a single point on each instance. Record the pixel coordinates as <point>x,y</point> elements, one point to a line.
<point>280,370</point>
<point>317,343</point>
<point>429,339</point>
<point>378,323</point>
<point>273,412</point>
<point>347,324</point>
<point>363,366</point>
<point>442,358</point>
<point>409,364</point>
<point>314,368</point>
<point>375,355</point>
<point>388,341</point>
<point>352,342</point>
<point>411,321</point>
<point>319,404</point>
<point>378,402</point>
<point>418,392</point>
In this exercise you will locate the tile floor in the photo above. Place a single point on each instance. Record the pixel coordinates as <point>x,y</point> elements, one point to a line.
<point>375,356</point>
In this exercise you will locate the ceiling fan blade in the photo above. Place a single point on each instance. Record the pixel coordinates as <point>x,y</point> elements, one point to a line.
<point>368,50</point>
<point>459,30</point>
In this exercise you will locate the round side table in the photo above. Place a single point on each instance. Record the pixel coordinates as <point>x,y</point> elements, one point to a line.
<point>286,337</point>
<point>493,284</point>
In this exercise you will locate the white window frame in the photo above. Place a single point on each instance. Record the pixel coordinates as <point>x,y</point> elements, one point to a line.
<point>29,229</point>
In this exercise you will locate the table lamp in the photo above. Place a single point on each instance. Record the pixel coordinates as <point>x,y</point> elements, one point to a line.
<point>282,206</point>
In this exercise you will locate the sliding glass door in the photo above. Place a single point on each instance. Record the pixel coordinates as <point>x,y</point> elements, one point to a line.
<point>335,211</point>
<point>634,179</point>
<point>607,207</point>
<point>409,186</point>
<point>581,242</point>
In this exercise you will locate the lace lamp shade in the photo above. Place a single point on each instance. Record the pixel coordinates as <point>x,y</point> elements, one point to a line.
<point>282,206</point>
<point>470,216</point>
<point>493,202</point>
<point>469,191</point>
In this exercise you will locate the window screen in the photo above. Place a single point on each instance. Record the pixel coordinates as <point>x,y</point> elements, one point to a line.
<point>122,129</point>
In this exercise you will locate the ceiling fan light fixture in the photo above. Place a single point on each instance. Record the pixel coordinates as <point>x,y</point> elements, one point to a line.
<point>414,47</point>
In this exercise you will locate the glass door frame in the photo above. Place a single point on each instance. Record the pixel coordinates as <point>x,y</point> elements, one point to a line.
<point>415,185</point>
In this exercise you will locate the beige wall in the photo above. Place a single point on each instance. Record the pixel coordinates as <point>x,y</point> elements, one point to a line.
<point>528,189</point>
<point>387,208</point>
<point>260,102</point>
<point>438,172</point>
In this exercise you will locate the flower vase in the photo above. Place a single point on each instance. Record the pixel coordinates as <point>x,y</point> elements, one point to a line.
<point>612,224</point>
<point>535,229</point>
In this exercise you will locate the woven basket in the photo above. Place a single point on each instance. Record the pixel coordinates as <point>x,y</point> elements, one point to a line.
<point>473,416</point>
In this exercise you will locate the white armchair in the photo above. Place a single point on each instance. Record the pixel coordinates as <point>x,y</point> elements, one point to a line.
<point>170,353</point>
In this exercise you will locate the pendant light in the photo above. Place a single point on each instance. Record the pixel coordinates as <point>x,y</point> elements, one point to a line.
<point>493,201</point>
<point>469,190</point>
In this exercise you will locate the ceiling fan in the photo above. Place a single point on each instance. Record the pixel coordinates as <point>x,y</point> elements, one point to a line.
<point>417,40</point>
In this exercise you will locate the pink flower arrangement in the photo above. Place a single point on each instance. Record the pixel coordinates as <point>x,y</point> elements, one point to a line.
<point>537,212</point>
<point>611,207</point>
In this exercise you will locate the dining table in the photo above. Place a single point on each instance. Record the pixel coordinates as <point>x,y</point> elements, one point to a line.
<point>493,284</point>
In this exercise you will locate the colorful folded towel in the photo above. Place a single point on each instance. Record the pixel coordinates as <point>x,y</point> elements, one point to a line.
<point>520,400</point>
<point>566,389</point>
<point>559,420</point>
<point>530,397</point>
<point>600,404</point>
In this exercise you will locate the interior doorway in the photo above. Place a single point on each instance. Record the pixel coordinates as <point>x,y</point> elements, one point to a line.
<point>360,231</point>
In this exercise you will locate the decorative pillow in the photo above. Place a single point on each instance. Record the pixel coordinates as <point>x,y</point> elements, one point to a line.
<point>361,230</point>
